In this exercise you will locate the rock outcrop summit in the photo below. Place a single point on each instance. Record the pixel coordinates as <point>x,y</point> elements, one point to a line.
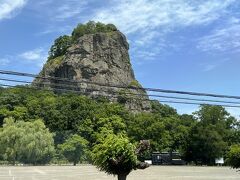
<point>96,62</point>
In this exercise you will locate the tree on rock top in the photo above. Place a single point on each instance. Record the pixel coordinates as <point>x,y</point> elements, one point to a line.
<point>60,46</point>
<point>90,28</point>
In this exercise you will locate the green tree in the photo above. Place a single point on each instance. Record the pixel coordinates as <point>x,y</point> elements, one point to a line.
<point>177,134</point>
<point>209,137</point>
<point>27,142</point>
<point>233,156</point>
<point>234,133</point>
<point>36,144</point>
<point>74,149</point>
<point>10,136</point>
<point>206,145</point>
<point>93,129</point>
<point>117,156</point>
<point>148,126</point>
<point>111,27</point>
<point>60,46</point>
<point>162,109</point>
<point>91,28</point>
<point>168,133</point>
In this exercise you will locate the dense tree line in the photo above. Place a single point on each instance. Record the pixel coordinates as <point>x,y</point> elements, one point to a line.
<point>73,127</point>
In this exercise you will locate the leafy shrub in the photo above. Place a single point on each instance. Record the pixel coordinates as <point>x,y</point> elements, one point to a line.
<point>115,155</point>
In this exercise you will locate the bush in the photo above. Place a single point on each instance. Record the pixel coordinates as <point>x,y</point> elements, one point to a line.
<point>233,156</point>
<point>115,155</point>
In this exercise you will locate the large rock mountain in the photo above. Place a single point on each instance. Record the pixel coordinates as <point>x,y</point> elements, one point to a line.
<point>97,64</point>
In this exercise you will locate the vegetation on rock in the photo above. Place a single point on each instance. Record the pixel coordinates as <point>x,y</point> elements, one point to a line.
<point>54,62</point>
<point>135,84</point>
<point>91,28</point>
<point>62,43</point>
<point>60,46</point>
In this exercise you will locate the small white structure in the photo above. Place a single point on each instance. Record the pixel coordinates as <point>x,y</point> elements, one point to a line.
<point>148,161</point>
<point>219,161</point>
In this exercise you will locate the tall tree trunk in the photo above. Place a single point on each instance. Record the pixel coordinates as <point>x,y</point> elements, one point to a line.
<point>122,176</point>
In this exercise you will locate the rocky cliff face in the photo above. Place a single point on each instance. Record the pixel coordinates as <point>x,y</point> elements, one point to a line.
<point>95,59</point>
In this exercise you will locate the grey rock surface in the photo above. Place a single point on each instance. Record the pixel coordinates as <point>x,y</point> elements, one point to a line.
<point>100,58</point>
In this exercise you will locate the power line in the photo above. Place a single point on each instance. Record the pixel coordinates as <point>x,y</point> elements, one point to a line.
<point>123,87</point>
<point>161,101</point>
<point>128,93</point>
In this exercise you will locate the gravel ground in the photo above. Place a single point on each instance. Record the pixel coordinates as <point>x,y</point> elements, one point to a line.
<point>91,173</point>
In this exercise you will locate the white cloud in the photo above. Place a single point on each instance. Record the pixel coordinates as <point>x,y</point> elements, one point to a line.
<point>151,22</point>
<point>225,39</point>
<point>145,56</point>
<point>60,10</point>
<point>43,2</point>
<point>147,38</point>
<point>32,55</point>
<point>8,8</point>
<point>53,29</point>
<point>69,10</point>
<point>148,20</point>
<point>209,67</point>
<point>145,15</point>
<point>4,61</point>
<point>37,56</point>
<point>138,15</point>
<point>234,112</point>
<point>213,65</point>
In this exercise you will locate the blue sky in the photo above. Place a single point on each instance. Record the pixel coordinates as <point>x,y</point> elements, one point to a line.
<point>183,45</point>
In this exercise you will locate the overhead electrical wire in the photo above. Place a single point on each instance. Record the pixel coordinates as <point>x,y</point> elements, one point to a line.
<point>161,101</point>
<point>127,93</point>
<point>116,86</point>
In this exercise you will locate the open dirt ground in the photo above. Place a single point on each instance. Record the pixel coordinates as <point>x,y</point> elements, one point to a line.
<point>91,173</point>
